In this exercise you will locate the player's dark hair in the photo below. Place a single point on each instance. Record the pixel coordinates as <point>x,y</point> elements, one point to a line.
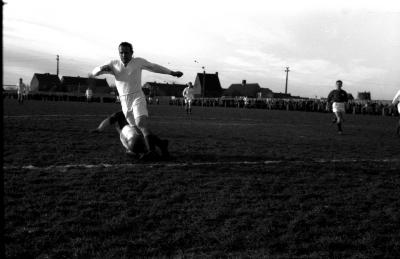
<point>339,81</point>
<point>126,44</point>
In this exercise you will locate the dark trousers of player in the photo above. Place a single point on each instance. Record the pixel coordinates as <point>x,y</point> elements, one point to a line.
<point>152,141</point>
<point>339,126</point>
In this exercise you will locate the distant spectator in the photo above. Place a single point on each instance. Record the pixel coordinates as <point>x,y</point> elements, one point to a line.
<point>21,91</point>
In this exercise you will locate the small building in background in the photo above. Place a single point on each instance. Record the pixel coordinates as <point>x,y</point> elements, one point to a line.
<point>79,85</point>
<point>154,89</point>
<point>282,96</point>
<point>365,96</point>
<point>207,85</point>
<point>70,84</point>
<point>252,90</point>
<point>45,82</point>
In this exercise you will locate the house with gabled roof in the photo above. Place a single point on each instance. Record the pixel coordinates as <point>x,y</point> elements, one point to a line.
<point>159,89</point>
<point>45,82</point>
<point>207,85</point>
<point>252,90</point>
<point>80,84</point>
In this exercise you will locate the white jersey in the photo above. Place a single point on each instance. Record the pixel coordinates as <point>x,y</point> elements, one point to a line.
<point>129,79</point>
<point>20,88</point>
<point>89,93</point>
<point>188,93</point>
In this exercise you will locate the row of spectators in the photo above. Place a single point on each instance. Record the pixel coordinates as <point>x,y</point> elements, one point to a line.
<point>59,97</point>
<point>309,105</point>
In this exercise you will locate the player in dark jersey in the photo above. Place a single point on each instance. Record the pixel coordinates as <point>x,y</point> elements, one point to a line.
<point>131,137</point>
<point>338,98</point>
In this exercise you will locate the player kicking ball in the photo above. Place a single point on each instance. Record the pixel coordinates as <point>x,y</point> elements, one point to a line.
<point>131,137</point>
<point>188,95</point>
<point>396,101</point>
<point>128,80</point>
<point>338,97</point>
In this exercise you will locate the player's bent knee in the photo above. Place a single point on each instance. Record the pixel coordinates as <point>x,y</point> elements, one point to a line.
<point>141,122</point>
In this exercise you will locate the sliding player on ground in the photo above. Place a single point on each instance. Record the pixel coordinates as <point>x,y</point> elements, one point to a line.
<point>131,137</point>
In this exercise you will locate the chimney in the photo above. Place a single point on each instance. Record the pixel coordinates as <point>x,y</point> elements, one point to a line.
<point>216,73</point>
<point>243,82</point>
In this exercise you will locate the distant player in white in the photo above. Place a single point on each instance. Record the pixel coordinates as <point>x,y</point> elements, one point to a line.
<point>21,91</point>
<point>246,102</point>
<point>131,137</point>
<point>396,101</point>
<point>89,94</point>
<point>188,95</point>
<point>338,97</point>
<point>128,80</point>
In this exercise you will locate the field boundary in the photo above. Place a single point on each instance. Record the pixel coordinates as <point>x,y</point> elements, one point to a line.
<point>197,164</point>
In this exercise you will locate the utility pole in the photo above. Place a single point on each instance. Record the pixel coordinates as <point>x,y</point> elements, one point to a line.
<point>287,76</point>
<point>204,82</point>
<point>58,61</point>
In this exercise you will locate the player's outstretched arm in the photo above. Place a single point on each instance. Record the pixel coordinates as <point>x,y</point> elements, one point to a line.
<point>103,125</point>
<point>105,69</point>
<point>159,69</point>
<point>176,73</point>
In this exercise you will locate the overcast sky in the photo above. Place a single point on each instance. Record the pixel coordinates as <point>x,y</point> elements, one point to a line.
<point>321,41</point>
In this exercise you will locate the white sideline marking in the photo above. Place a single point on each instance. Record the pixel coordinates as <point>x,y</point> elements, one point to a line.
<point>132,165</point>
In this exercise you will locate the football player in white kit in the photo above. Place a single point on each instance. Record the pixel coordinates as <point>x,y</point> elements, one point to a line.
<point>131,137</point>
<point>128,80</point>
<point>396,101</point>
<point>188,95</point>
<point>21,91</point>
<point>339,98</point>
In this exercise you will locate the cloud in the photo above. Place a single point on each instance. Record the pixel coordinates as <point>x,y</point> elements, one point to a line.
<point>320,41</point>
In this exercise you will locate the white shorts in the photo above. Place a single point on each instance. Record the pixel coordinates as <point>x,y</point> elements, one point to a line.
<point>188,100</point>
<point>133,106</point>
<point>338,107</point>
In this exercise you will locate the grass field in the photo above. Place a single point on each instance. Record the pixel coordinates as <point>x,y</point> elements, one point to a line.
<point>243,183</point>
